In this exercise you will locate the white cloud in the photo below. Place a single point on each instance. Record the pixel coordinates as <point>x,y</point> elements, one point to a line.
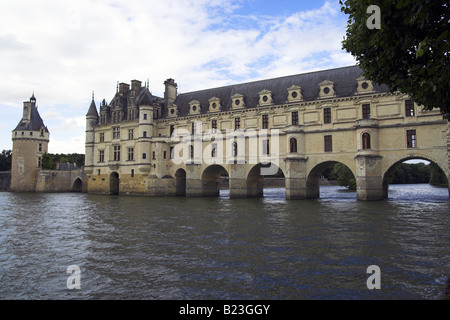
<point>62,50</point>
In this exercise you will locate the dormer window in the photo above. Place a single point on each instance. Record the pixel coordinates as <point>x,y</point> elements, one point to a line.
<point>194,107</point>
<point>173,111</point>
<point>364,85</point>
<point>265,98</point>
<point>237,101</point>
<point>294,93</point>
<point>326,89</point>
<point>214,104</point>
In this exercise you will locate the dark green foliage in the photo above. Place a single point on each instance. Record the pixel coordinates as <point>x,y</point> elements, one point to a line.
<point>409,53</point>
<point>344,176</point>
<point>410,173</point>
<point>437,177</point>
<point>49,160</point>
<point>5,160</point>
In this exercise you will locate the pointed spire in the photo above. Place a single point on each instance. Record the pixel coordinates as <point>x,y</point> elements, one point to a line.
<point>93,108</point>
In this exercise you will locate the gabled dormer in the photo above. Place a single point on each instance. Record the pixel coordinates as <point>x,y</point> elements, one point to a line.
<point>326,89</point>
<point>237,101</point>
<point>214,104</point>
<point>194,107</point>
<point>265,97</point>
<point>172,111</point>
<point>364,86</point>
<point>294,93</point>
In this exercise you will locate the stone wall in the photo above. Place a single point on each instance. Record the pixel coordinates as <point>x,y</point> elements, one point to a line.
<point>5,180</point>
<point>58,180</point>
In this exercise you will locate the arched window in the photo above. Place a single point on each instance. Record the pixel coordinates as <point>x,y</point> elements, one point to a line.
<point>293,145</point>
<point>235,149</point>
<point>214,151</point>
<point>366,140</point>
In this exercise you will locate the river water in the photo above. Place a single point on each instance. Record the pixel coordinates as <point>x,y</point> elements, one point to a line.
<point>218,248</point>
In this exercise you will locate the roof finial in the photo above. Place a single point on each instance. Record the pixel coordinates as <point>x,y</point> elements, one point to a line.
<point>92,95</point>
<point>117,88</point>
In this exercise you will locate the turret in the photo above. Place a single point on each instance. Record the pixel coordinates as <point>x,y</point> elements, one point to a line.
<point>91,121</point>
<point>30,142</point>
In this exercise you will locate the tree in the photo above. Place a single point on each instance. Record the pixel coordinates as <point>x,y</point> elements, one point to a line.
<point>344,176</point>
<point>410,50</point>
<point>437,177</point>
<point>5,160</point>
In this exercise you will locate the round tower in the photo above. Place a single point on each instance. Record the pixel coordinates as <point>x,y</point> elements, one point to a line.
<point>30,142</point>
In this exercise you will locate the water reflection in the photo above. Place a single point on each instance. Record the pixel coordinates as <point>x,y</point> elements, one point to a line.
<point>220,248</point>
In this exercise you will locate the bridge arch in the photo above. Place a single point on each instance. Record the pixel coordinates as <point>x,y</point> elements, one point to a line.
<point>77,185</point>
<point>392,165</point>
<point>255,178</point>
<point>211,180</point>
<point>114,183</point>
<point>180,182</point>
<point>315,174</point>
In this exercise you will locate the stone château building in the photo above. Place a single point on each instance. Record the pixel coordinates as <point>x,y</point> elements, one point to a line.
<point>181,144</point>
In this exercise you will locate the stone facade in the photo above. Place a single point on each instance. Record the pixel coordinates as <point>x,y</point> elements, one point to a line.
<point>182,144</point>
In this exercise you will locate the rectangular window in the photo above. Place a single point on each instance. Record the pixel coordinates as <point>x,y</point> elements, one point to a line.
<point>165,155</point>
<point>130,134</point>
<point>130,154</point>
<point>409,108</point>
<point>145,116</point>
<point>39,162</point>
<point>102,137</point>
<point>265,121</point>
<point>40,147</point>
<point>132,173</point>
<point>144,156</point>
<point>214,126</point>
<point>328,143</point>
<point>101,157</point>
<point>327,115</point>
<point>237,123</point>
<point>411,139</point>
<point>294,115</point>
<point>144,134</point>
<point>366,111</point>
<point>172,129</point>
<point>153,155</point>
<point>116,153</point>
<point>116,133</point>
<point>265,147</point>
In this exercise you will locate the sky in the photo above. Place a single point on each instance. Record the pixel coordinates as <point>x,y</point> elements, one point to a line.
<point>64,51</point>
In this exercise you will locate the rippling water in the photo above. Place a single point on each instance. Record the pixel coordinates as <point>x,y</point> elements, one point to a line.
<point>220,248</point>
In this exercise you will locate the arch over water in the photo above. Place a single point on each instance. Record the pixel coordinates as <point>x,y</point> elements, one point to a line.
<point>255,179</point>
<point>180,176</point>
<point>77,185</point>
<point>114,183</point>
<point>387,173</point>
<point>211,180</point>
<point>314,176</point>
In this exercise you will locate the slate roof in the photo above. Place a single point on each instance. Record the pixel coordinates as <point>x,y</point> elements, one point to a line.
<point>35,123</point>
<point>345,84</point>
<point>92,109</point>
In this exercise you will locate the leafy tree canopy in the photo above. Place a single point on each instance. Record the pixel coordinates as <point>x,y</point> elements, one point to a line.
<point>409,52</point>
<point>49,160</point>
<point>5,160</point>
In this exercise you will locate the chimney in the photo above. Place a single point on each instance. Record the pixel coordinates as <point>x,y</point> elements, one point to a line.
<point>135,85</point>
<point>123,88</point>
<point>170,93</point>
